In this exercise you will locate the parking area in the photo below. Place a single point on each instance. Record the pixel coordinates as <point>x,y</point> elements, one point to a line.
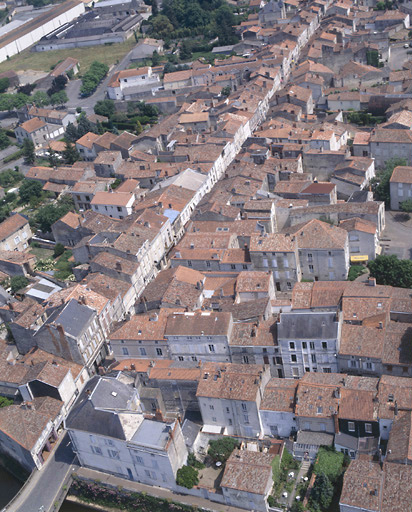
<point>396,238</point>
<point>399,55</point>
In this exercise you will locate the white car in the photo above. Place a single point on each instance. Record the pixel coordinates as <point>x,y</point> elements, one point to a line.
<point>285,494</point>
<point>406,45</point>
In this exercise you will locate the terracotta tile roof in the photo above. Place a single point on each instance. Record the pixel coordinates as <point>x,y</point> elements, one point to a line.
<point>362,341</point>
<point>399,447</point>
<point>32,125</point>
<point>394,390</point>
<point>24,425</point>
<point>362,486</point>
<point>230,381</point>
<point>248,471</point>
<point>358,405</point>
<point>402,174</point>
<point>149,326</point>
<point>112,198</point>
<point>279,395</point>
<point>316,234</point>
<point>199,324</point>
<point>357,224</point>
<point>87,140</point>
<point>11,225</point>
<point>253,281</point>
<point>273,242</point>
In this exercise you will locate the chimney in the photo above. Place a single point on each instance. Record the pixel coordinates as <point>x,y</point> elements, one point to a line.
<point>372,281</point>
<point>380,325</point>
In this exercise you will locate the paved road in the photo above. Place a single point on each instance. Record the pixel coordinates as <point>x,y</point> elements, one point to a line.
<point>45,484</point>
<point>87,104</point>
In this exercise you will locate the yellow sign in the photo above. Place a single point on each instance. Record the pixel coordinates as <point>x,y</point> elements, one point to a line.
<point>361,257</point>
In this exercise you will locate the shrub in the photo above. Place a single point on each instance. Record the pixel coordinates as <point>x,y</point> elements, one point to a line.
<point>58,250</point>
<point>355,271</point>
<point>192,461</point>
<point>4,402</point>
<point>187,476</point>
<point>18,282</point>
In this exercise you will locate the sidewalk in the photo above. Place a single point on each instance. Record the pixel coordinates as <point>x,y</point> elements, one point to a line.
<point>158,492</point>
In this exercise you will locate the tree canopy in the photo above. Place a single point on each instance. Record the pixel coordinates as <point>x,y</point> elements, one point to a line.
<point>389,270</point>
<point>29,189</point>
<point>380,184</point>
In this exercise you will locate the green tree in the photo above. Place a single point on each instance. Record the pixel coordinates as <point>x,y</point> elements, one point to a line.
<point>380,184</point>
<point>93,76</point>
<point>221,449</point>
<point>40,99</point>
<point>58,84</point>
<point>70,154</point>
<point>161,25</point>
<point>84,126</point>
<point>225,21</point>
<point>53,160</point>
<point>59,98</point>
<point>389,270</point>
<point>4,84</point>
<point>18,282</point>
<point>155,58</point>
<point>226,90</point>
<point>71,133</point>
<point>322,492</point>
<point>185,51</point>
<point>4,140</point>
<point>297,507</point>
<point>29,189</point>
<point>187,476</point>
<point>105,108</point>
<point>28,151</point>
<point>50,213</point>
<point>406,206</point>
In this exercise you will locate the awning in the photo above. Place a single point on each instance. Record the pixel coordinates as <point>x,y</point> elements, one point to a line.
<point>361,257</point>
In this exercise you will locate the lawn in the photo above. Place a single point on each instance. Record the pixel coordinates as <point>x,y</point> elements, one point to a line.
<point>43,61</point>
<point>40,253</point>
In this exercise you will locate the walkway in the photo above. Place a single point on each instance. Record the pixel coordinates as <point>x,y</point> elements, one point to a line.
<point>304,468</point>
<point>158,492</point>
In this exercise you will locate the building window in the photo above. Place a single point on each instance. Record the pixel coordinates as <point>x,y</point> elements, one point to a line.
<point>96,450</point>
<point>212,407</point>
<point>142,351</point>
<point>211,348</point>
<point>313,357</point>
<point>159,351</point>
<point>245,359</point>
<point>304,345</point>
<point>351,426</point>
<point>113,454</point>
<point>293,358</point>
<point>311,269</point>
<point>214,419</point>
<point>368,428</point>
<point>244,407</point>
<point>194,358</point>
<point>181,358</point>
<point>230,422</point>
<point>319,410</point>
<point>246,419</point>
<point>125,351</point>
<point>312,345</point>
<point>390,397</point>
<point>291,345</point>
<point>325,345</point>
<point>327,370</point>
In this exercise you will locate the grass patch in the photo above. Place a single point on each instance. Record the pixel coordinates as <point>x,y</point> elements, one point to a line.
<point>329,462</point>
<point>356,271</point>
<point>43,61</point>
<point>40,253</point>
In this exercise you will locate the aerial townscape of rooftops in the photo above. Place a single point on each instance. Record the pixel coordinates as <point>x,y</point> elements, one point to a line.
<point>206,255</point>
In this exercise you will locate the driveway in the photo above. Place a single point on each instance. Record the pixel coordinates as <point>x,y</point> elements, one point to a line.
<point>396,238</point>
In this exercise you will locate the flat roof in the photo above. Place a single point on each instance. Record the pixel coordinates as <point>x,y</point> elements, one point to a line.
<point>154,434</point>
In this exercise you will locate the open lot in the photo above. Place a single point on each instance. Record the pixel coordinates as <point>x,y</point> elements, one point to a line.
<point>43,61</point>
<point>396,238</point>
